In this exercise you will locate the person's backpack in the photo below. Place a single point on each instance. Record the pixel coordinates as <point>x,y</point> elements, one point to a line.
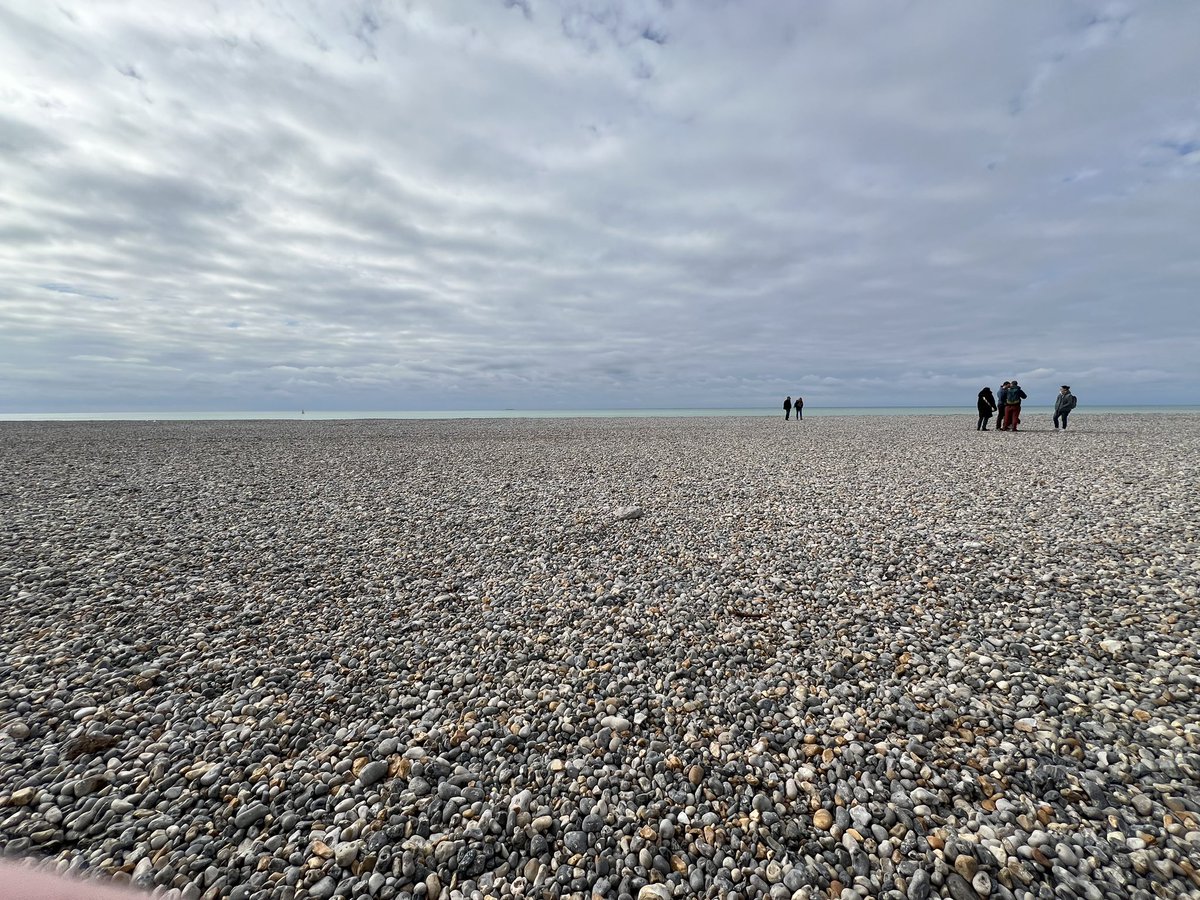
<point>1071,403</point>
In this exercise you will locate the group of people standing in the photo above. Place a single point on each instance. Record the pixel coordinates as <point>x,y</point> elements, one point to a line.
<point>1006,403</point>
<point>788,406</point>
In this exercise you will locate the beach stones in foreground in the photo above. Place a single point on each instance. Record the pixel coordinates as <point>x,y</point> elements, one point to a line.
<point>421,660</point>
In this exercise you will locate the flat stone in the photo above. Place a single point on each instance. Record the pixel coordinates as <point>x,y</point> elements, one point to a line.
<point>323,889</point>
<point>616,723</point>
<point>959,887</point>
<point>576,841</point>
<point>373,772</point>
<point>919,885</point>
<point>251,814</point>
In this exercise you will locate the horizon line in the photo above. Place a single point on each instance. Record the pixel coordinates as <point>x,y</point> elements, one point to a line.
<point>326,410</point>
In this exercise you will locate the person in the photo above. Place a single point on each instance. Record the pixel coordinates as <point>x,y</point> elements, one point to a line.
<point>799,408</point>
<point>1063,404</point>
<point>787,408</point>
<point>1001,402</point>
<point>987,406</point>
<point>1012,405</point>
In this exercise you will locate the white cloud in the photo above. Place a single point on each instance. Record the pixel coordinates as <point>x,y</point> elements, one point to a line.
<point>526,204</point>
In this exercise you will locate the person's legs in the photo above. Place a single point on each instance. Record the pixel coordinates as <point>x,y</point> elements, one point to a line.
<point>1056,415</point>
<point>1066,412</point>
<point>1000,412</point>
<point>1010,417</point>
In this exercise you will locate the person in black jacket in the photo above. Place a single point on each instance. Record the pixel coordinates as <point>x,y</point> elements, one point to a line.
<point>1063,404</point>
<point>787,408</point>
<point>987,406</point>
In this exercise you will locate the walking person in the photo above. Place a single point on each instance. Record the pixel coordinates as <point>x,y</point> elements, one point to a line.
<point>799,408</point>
<point>787,408</point>
<point>1001,402</point>
<point>1063,404</point>
<point>986,405</point>
<point>1012,405</point>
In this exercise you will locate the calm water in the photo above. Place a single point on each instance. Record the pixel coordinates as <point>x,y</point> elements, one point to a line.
<point>810,412</point>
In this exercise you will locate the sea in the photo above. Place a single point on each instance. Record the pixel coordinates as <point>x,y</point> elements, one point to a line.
<point>810,412</point>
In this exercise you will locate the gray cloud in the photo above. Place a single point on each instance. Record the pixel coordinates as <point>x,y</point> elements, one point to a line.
<point>594,203</point>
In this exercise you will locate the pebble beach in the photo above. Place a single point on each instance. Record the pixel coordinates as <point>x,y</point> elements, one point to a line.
<point>850,657</point>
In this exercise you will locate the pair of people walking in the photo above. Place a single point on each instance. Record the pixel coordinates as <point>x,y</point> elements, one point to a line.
<point>1007,406</point>
<point>798,406</point>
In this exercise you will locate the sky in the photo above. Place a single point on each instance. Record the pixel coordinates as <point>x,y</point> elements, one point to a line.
<point>369,205</point>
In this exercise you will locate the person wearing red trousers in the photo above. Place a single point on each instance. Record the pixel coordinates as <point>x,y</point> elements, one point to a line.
<point>1012,407</point>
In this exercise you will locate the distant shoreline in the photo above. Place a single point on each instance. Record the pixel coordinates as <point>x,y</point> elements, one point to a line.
<point>811,412</point>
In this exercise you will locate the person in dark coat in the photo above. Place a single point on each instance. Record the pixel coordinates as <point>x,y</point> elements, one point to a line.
<point>787,408</point>
<point>1001,398</point>
<point>987,406</point>
<point>799,408</point>
<point>1063,404</point>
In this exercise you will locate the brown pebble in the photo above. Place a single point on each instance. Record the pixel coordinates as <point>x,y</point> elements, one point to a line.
<point>966,866</point>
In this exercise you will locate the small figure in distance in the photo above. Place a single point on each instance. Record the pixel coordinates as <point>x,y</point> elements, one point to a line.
<point>987,406</point>
<point>1001,402</point>
<point>787,408</point>
<point>799,408</point>
<point>1012,405</point>
<point>1063,404</point>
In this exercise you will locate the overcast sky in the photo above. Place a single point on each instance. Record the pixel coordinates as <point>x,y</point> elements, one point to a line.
<point>595,203</point>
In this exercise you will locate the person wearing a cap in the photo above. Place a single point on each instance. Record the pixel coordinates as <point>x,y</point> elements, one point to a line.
<point>1012,405</point>
<point>1063,404</point>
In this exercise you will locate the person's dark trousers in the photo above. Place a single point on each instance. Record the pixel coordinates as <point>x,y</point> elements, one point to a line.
<point>983,420</point>
<point>799,414</point>
<point>1000,416</point>
<point>1063,415</point>
<point>787,414</point>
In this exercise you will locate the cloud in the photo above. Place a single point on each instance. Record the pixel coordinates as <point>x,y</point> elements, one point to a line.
<point>594,203</point>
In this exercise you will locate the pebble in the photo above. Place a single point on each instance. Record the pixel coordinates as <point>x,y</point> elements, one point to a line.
<point>323,889</point>
<point>251,814</point>
<point>627,658</point>
<point>373,772</point>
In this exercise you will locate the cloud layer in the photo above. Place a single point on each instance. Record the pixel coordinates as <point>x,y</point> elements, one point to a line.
<point>371,205</point>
